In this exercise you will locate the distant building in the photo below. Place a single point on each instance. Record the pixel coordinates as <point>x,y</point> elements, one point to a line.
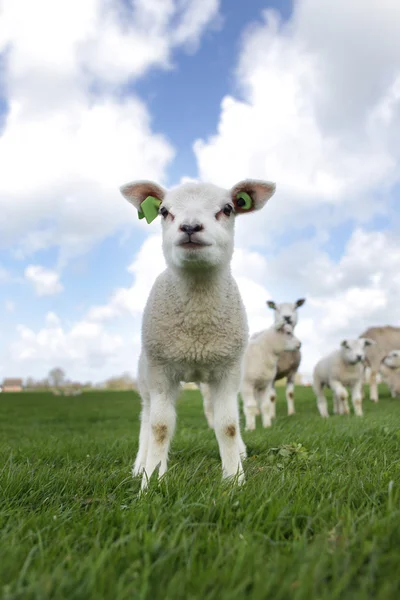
<point>12,385</point>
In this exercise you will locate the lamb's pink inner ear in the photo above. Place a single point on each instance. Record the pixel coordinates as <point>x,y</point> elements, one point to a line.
<point>136,192</point>
<point>251,194</point>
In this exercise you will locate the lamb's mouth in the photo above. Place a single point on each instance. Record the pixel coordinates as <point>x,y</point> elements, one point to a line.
<point>192,245</point>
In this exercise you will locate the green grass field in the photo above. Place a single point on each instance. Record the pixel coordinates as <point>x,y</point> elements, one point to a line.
<point>319,516</point>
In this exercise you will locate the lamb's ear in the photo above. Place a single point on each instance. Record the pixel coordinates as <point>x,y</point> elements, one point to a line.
<point>251,194</point>
<point>368,342</point>
<point>300,302</point>
<point>271,304</point>
<point>345,344</point>
<point>137,192</point>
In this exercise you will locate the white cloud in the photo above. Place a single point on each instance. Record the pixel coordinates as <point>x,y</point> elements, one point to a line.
<point>70,138</point>
<point>318,114</point>
<point>82,349</point>
<point>44,281</point>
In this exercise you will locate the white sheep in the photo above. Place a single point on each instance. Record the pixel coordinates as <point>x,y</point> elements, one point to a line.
<point>194,324</point>
<point>340,369</point>
<point>259,370</point>
<point>289,362</point>
<point>390,371</point>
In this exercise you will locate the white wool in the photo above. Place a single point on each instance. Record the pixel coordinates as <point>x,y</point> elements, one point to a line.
<point>259,370</point>
<point>194,324</point>
<point>341,369</point>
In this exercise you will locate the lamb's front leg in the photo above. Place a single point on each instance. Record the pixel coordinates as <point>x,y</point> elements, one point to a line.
<point>207,404</point>
<point>340,397</point>
<point>356,398</point>
<point>140,461</point>
<point>290,394</point>
<point>226,425</point>
<point>161,428</point>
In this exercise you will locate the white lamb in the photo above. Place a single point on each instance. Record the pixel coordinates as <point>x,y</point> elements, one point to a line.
<point>340,369</point>
<point>289,362</point>
<point>194,324</point>
<point>259,370</point>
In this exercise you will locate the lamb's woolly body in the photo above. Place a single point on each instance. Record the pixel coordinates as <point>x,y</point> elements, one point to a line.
<point>333,368</point>
<point>390,371</point>
<point>195,326</point>
<point>259,372</point>
<point>387,338</point>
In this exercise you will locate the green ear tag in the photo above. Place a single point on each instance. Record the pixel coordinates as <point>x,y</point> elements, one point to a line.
<point>149,208</point>
<point>244,201</point>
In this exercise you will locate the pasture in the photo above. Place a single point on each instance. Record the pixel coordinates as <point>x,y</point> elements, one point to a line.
<point>319,516</point>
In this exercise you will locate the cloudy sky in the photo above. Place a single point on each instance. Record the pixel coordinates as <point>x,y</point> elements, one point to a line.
<point>96,93</point>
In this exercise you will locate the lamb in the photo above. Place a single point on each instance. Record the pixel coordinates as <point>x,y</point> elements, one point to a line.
<point>340,369</point>
<point>259,370</point>
<point>387,339</point>
<point>390,371</point>
<point>194,324</point>
<point>289,362</point>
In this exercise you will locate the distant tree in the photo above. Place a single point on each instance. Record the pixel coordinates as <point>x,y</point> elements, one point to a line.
<point>56,377</point>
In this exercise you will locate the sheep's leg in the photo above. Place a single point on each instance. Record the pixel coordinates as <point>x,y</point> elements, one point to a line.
<point>140,461</point>
<point>356,398</point>
<point>373,387</point>
<point>226,426</point>
<point>207,404</point>
<point>266,406</point>
<point>250,406</point>
<point>272,401</point>
<point>322,404</point>
<point>290,394</point>
<point>340,397</point>
<point>161,428</point>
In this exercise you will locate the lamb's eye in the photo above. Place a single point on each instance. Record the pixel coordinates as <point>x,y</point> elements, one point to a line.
<point>228,208</point>
<point>163,212</point>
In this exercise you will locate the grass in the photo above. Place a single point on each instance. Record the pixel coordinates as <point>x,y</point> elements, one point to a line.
<point>319,516</point>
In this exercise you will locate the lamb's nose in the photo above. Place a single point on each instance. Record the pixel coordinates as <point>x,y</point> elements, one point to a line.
<point>288,320</point>
<point>190,229</point>
<point>359,356</point>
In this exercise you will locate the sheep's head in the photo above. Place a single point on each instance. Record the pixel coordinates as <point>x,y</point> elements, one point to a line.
<point>392,360</point>
<point>288,341</point>
<point>353,351</point>
<point>198,218</point>
<point>286,311</point>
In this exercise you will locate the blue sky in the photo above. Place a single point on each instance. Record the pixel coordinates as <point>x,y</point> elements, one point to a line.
<point>234,90</point>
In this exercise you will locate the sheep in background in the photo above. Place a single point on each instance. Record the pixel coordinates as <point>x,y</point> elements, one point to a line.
<point>289,362</point>
<point>259,370</point>
<point>387,339</point>
<point>194,324</point>
<point>340,369</point>
<point>390,371</point>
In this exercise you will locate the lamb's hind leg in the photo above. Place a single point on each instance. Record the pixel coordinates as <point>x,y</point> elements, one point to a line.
<point>290,394</point>
<point>373,387</point>
<point>140,461</point>
<point>207,404</point>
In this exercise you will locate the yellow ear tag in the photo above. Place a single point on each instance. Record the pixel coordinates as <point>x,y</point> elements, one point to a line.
<point>243,200</point>
<point>149,208</point>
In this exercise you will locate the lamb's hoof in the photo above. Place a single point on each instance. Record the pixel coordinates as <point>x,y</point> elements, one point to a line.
<point>290,413</point>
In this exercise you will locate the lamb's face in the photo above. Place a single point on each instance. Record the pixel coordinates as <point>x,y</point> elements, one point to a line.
<point>198,226</point>
<point>286,311</point>
<point>198,218</point>
<point>392,360</point>
<point>353,351</point>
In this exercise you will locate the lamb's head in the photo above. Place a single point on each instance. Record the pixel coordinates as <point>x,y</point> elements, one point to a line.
<point>198,218</point>
<point>286,311</point>
<point>392,360</point>
<point>285,338</point>
<point>353,351</point>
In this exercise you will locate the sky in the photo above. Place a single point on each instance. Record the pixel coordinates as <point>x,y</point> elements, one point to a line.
<point>97,93</point>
